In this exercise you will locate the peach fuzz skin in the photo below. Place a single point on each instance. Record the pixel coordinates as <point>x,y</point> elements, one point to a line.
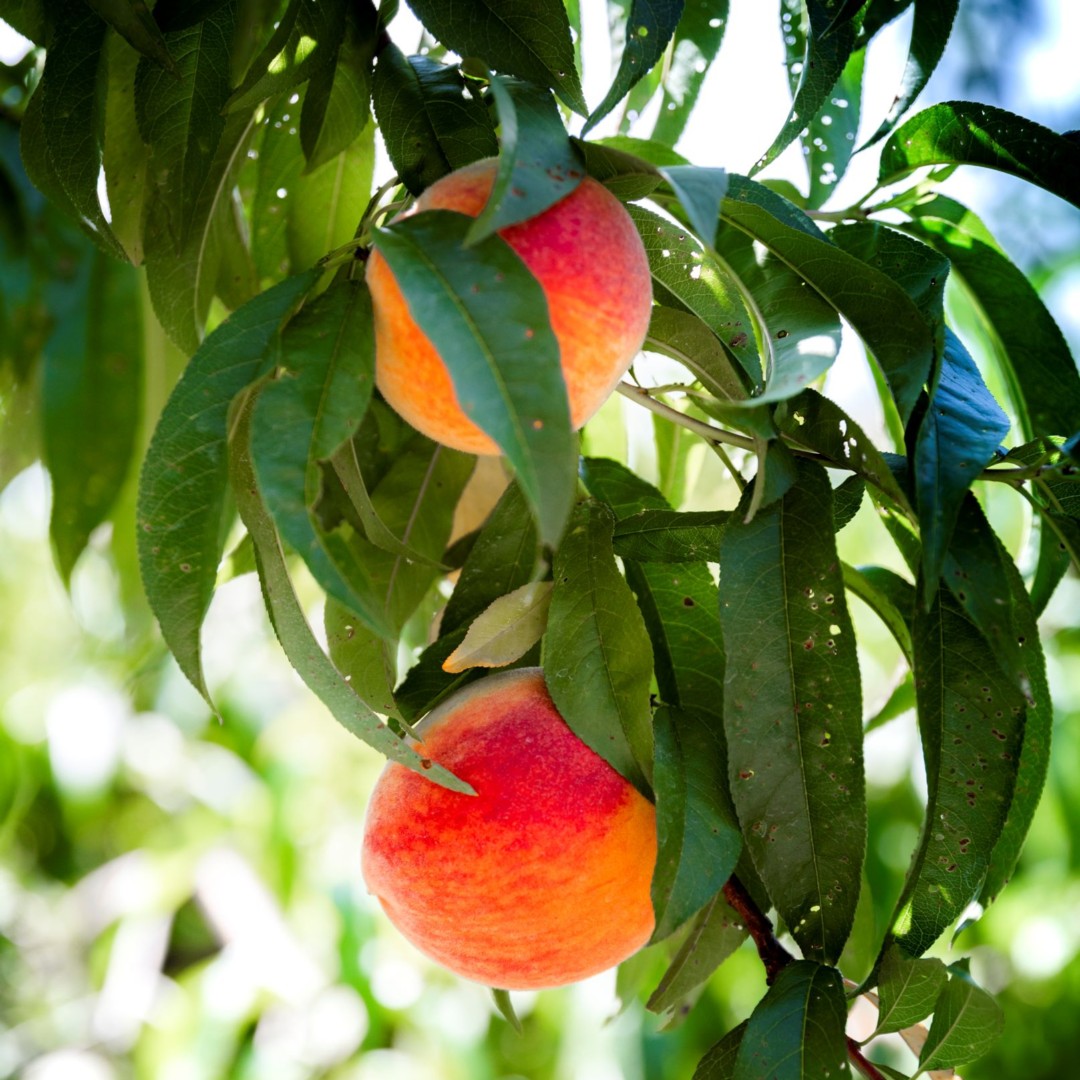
<point>591,264</point>
<point>540,879</point>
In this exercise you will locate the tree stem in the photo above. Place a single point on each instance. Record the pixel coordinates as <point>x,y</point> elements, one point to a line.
<point>773,955</point>
<point>867,1068</point>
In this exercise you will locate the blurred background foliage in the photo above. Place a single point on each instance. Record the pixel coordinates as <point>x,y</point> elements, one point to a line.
<point>180,896</point>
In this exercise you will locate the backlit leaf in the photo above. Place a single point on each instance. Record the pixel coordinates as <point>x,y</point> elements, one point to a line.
<point>134,22</point>
<point>907,988</point>
<point>505,630</point>
<point>967,1022</point>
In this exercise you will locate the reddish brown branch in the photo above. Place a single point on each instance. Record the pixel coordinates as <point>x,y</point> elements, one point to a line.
<point>867,1068</point>
<point>773,955</point>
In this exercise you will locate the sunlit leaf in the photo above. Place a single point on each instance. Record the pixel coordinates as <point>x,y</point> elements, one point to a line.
<point>505,630</point>
<point>907,988</point>
<point>967,1022</point>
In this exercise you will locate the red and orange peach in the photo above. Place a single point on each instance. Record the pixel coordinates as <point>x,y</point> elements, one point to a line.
<point>591,264</point>
<point>540,879</point>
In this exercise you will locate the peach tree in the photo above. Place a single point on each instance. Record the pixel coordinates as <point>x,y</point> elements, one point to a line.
<point>221,156</point>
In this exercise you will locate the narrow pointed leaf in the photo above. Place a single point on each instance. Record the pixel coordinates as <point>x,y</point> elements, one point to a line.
<point>487,316</point>
<point>889,596</point>
<point>622,490</point>
<point>929,35</point>
<point>714,935</point>
<point>505,630</point>
<point>133,21</point>
<point>796,1032</point>
<point>526,38</point>
<point>698,837</point>
<point>820,69</point>
<point>182,488</point>
<point>719,1062</point>
<point>968,133</point>
<point>685,338</point>
<point>649,27</point>
<point>907,989</point>
<point>670,536</point>
<point>697,41</point>
<point>363,658</point>
<point>430,127</point>
<point>967,1022</point>
<point>300,645</point>
<point>962,428</point>
<point>597,656</point>
<point>91,397</point>
<point>793,712</point>
<point>700,191</point>
<point>830,140</point>
<point>538,165</point>
<point>971,721</point>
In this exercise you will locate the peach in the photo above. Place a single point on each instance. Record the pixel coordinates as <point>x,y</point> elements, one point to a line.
<point>591,264</point>
<point>540,879</point>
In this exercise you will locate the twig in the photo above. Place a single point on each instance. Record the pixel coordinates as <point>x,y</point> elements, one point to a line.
<point>773,955</point>
<point>867,1068</point>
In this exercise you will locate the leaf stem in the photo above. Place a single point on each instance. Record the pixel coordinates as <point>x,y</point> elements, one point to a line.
<point>867,1068</point>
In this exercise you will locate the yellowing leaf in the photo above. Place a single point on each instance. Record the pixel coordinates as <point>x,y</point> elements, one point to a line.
<point>505,630</point>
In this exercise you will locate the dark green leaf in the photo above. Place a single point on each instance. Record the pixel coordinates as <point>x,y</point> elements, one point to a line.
<point>182,488</point>
<point>822,64</point>
<point>907,988</point>
<point>626,166</point>
<point>929,35</point>
<point>793,713</point>
<point>302,417</point>
<point>686,277</point>
<point>649,26</point>
<point>818,423</point>
<point>538,165</point>
<point>719,1062</point>
<point>59,131</point>
<point>698,837</point>
<point>700,192</point>
<point>91,397</point>
<point>830,140</point>
<point>362,658</point>
<point>684,337</point>
<point>847,499</point>
<point>889,596</point>
<point>714,935</point>
<point>597,656</point>
<point>506,1009</point>
<point>1051,567</point>
<point>626,493</point>
<point>880,13</point>
<point>697,41</point>
<point>968,133</point>
<point>967,1022</point>
<point>796,1032</point>
<point>960,431</point>
<point>670,536</point>
<point>527,38</point>
<point>133,21</point>
<point>1040,370</point>
<point>971,722</point>
<point>429,125</point>
<point>426,683</point>
<point>487,316</point>
<point>294,633</point>
<point>878,309</point>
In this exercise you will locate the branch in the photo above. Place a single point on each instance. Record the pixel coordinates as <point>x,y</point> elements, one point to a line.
<point>867,1068</point>
<point>773,955</point>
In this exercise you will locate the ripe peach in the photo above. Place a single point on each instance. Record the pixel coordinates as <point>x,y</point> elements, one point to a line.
<point>540,879</point>
<point>591,264</point>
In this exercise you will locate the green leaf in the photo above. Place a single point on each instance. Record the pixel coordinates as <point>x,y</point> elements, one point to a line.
<point>960,431</point>
<point>878,309</point>
<point>697,41</point>
<point>719,1062</point>
<point>793,711</point>
<point>700,192</point>
<point>526,38</point>
<point>1053,562</point>
<point>670,536</point>
<point>59,132</point>
<point>613,483</point>
<point>430,127</point>
<point>132,20</point>
<point>294,633</point>
<point>822,64</point>
<point>830,140</point>
<point>971,722</point>
<point>502,559</point>
<point>1038,365</point>
<point>715,934</point>
<point>320,395</point>
<point>487,316</point>
<point>336,108</point>
<point>597,656</point>
<point>698,837</point>
<point>426,683</point>
<point>967,1022</point>
<point>818,423</point>
<point>847,501</point>
<point>91,397</point>
<point>505,630</point>
<point>796,1032</point>
<point>506,1009</point>
<point>686,277</point>
<point>538,165</point>
<point>615,163</point>
<point>362,657</point>
<point>326,202</point>
<point>879,13</point>
<point>889,596</point>
<point>907,988</point>
<point>649,27</point>
<point>968,133</point>
<point>929,35</point>
<point>684,337</point>
<point>182,488</point>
